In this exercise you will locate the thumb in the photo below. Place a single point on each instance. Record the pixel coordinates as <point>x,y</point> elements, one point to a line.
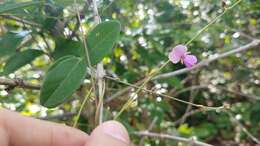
<point>110,133</point>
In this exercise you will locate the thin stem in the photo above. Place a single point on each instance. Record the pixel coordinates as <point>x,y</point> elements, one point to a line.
<point>168,96</point>
<point>83,36</point>
<point>244,128</point>
<point>95,11</point>
<point>81,108</point>
<point>141,143</point>
<point>106,7</point>
<point>100,73</point>
<point>83,39</point>
<point>211,22</point>
<point>48,47</point>
<point>131,99</point>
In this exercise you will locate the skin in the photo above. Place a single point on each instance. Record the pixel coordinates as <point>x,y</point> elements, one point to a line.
<point>17,130</point>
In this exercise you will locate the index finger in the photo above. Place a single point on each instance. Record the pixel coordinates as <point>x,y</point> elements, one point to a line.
<point>25,131</point>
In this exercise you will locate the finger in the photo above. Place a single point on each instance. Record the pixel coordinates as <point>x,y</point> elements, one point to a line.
<point>109,133</point>
<point>25,131</point>
<point>3,137</point>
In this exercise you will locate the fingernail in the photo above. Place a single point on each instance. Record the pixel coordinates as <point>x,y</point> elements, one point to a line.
<point>116,130</point>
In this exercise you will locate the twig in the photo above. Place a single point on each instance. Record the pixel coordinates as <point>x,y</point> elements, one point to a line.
<point>95,12</point>
<point>194,87</point>
<point>193,94</point>
<point>197,87</point>
<point>100,73</point>
<point>141,143</point>
<point>18,83</point>
<point>74,31</point>
<point>81,107</point>
<point>239,93</point>
<point>251,45</point>
<point>203,107</point>
<point>213,21</point>
<point>84,41</point>
<point>48,47</point>
<point>17,19</point>
<point>244,128</point>
<point>188,114</point>
<point>172,137</point>
<point>122,91</point>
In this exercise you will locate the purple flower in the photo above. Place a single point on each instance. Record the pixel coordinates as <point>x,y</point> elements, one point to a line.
<point>179,53</point>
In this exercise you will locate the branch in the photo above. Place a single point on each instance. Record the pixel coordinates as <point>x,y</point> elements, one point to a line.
<point>244,128</point>
<point>18,83</point>
<point>121,91</point>
<point>95,12</point>
<point>253,44</point>
<point>190,141</point>
<point>198,87</point>
<point>141,143</point>
<point>20,20</point>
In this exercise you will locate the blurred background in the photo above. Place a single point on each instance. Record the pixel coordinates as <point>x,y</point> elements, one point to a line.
<point>150,28</point>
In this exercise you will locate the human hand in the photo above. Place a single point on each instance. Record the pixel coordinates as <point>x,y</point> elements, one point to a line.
<point>17,130</point>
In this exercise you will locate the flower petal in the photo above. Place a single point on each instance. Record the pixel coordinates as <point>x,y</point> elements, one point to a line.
<point>190,60</point>
<point>177,53</point>
<point>180,50</point>
<point>174,58</point>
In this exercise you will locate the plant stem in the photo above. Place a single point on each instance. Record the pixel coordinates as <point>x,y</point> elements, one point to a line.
<point>168,96</point>
<point>81,108</point>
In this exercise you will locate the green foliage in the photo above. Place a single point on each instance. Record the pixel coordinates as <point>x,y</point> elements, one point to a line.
<point>9,42</point>
<point>61,80</point>
<point>101,40</point>
<point>67,47</point>
<point>142,32</point>
<point>7,7</point>
<point>205,130</point>
<point>20,59</point>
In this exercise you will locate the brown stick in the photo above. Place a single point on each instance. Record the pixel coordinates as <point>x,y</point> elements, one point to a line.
<point>18,83</point>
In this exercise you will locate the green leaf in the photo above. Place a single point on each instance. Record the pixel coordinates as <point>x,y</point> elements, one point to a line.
<point>205,130</point>
<point>7,7</point>
<point>61,80</point>
<point>67,47</point>
<point>102,39</point>
<point>9,43</point>
<point>20,59</point>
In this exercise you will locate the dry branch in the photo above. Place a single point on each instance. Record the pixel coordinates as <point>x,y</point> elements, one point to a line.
<point>18,83</point>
